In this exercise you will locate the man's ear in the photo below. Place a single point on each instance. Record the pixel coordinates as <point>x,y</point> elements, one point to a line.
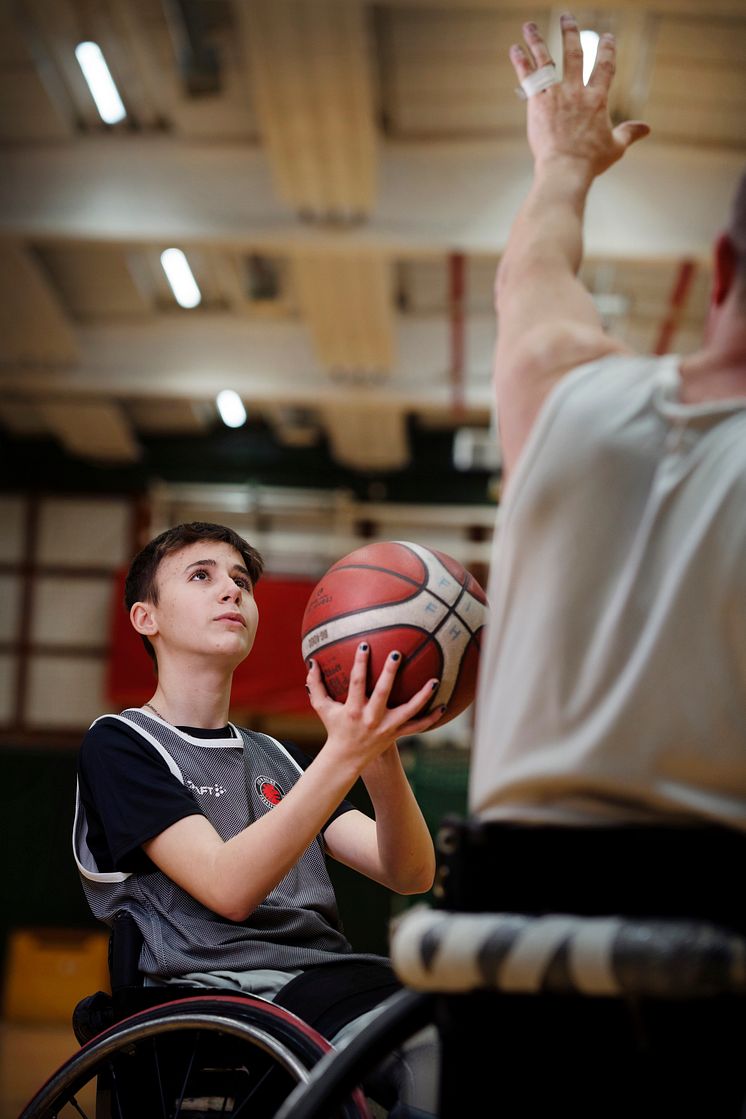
<point>142,619</point>
<point>725,260</point>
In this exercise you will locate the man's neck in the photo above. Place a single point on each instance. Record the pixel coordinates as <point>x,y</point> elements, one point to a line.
<point>718,370</point>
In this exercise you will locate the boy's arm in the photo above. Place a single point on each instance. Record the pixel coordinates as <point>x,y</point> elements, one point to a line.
<point>395,849</point>
<point>547,321</point>
<point>232,877</point>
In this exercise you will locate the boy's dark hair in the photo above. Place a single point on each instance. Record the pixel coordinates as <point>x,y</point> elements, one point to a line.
<point>141,583</point>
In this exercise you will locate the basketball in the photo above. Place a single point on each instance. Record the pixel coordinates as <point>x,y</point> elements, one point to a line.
<point>399,595</point>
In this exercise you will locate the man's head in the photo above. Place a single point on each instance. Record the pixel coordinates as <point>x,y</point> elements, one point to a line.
<point>141,584</point>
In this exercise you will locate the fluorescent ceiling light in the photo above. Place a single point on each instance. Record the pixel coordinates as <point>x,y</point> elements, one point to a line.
<point>589,43</point>
<point>100,82</point>
<point>179,276</point>
<point>230,406</point>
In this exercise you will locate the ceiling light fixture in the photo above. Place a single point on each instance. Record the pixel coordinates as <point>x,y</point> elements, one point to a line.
<point>100,82</point>
<point>179,276</point>
<point>231,409</point>
<point>589,43</point>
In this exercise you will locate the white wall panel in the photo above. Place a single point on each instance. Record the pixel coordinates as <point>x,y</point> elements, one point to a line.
<point>10,606</point>
<point>8,671</point>
<point>64,692</point>
<point>71,611</point>
<point>84,532</point>
<point>12,517</point>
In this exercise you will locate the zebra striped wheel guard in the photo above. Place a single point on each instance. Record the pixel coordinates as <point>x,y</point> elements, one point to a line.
<point>433,950</point>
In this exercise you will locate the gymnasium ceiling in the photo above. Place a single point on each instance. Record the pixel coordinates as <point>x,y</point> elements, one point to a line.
<point>341,175</point>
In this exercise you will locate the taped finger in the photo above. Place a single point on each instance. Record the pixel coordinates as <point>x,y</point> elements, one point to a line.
<point>538,80</point>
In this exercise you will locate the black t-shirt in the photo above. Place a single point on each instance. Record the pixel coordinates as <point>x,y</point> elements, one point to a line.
<point>130,795</point>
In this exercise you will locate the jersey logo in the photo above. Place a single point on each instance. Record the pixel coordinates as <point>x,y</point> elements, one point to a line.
<point>205,790</point>
<point>270,792</point>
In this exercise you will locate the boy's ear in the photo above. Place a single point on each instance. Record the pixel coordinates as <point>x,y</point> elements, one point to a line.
<point>142,619</point>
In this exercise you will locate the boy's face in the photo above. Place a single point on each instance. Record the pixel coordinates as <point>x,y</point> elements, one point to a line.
<point>205,603</point>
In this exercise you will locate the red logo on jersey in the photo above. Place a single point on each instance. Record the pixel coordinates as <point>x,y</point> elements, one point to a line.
<point>270,792</point>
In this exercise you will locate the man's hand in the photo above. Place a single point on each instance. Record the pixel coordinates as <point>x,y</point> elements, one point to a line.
<point>570,121</point>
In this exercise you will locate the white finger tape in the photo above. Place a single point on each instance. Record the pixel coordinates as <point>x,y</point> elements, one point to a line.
<point>539,80</point>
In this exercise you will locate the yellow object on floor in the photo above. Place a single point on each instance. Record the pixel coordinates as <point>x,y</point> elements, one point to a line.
<point>47,971</point>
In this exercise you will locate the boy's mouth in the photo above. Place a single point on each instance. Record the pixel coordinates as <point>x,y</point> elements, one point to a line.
<point>231,618</point>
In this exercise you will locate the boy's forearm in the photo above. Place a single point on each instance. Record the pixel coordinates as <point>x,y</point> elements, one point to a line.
<point>405,847</point>
<point>233,877</point>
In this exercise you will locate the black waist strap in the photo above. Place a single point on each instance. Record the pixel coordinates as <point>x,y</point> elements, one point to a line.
<point>329,996</point>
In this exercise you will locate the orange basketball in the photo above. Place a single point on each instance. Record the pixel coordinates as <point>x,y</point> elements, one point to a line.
<point>399,595</point>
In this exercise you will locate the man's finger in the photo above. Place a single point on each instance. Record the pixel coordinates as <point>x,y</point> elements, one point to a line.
<point>572,51</point>
<point>631,131</point>
<point>521,62</point>
<point>604,67</point>
<point>536,45</point>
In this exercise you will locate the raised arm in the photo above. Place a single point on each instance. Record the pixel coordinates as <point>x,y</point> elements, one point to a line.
<point>232,877</point>
<point>547,321</point>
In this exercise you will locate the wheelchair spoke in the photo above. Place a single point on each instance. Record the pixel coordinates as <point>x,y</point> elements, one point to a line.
<point>73,1101</point>
<point>115,1090</point>
<point>159,1079</point>
<point>250,1094</point>
<point>185,1084</point>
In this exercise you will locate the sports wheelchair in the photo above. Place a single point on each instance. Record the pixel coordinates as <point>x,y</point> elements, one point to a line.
<point>588,1014</point>
<point>600,1017</point>
<point>165,1052</point>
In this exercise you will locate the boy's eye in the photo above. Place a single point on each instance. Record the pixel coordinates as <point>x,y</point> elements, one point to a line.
<point>200,574</point>
<point>243,583</point>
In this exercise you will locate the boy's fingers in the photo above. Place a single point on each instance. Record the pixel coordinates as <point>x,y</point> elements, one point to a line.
<point>407,711</point>
<point>386,677</point>
<point>359,672</point>
<point>418,726</point>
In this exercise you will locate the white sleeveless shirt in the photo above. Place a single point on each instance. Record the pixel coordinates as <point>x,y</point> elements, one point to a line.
<point>613,677</point>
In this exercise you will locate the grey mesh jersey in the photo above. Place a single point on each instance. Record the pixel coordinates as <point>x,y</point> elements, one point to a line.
<point>296,926</point>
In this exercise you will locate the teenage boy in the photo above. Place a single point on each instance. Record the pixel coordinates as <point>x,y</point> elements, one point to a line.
<point>214,837</point>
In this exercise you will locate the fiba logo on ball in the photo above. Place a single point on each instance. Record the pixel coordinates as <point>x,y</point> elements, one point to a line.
<point>403,596</point>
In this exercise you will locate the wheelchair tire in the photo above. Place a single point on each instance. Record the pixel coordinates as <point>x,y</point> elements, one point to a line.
<point>195,1057</point>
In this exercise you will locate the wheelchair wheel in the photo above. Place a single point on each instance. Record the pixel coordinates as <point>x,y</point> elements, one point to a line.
<point>336,1074</point>
<point>197,1058</point>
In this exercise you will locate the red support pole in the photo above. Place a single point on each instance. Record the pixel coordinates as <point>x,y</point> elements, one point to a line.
<point>676,304</point>
<point>456,292</point>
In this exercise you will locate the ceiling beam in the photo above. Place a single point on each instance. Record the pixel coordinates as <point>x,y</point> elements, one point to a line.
<point>438,197</point>
<point>192,357</point>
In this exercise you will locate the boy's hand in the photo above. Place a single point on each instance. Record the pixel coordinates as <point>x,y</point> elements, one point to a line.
<point>364,727</point>
<point>570,121</point>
